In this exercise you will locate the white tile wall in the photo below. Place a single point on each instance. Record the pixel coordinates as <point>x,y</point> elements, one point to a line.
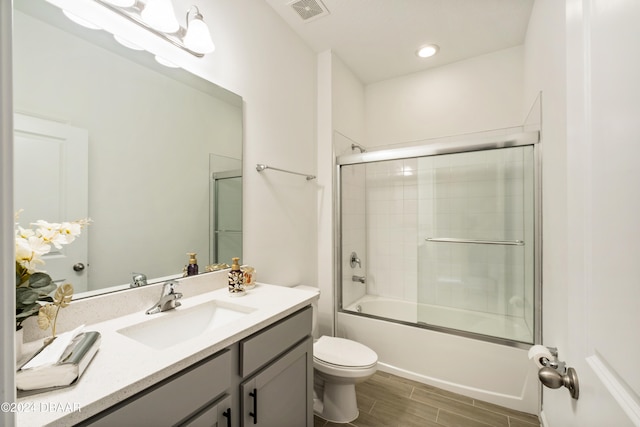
<point>392,207</point>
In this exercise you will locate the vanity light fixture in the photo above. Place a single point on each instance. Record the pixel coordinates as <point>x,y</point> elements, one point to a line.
<point>427,51</point>
<point>122,3</point>
<point>158,17</point>
<point>198,37</point>
<point>80,21</point>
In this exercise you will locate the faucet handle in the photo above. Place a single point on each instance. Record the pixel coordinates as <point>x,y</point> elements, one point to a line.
<point>170,287</point>
<point>354,260</point>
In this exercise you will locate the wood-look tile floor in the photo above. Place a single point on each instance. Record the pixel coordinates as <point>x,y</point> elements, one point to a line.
<point>386,400</point>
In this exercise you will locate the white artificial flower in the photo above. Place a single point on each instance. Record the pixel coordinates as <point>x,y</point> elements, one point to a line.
<point>69,231</point>
<point>29,252</point>
<point>32,244</point>
<point>24,232</point>
<point>50,232</point>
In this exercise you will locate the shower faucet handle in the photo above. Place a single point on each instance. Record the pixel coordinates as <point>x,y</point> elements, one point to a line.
<point>355,260</point>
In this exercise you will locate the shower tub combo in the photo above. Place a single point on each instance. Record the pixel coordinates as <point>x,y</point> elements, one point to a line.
<point>439,268</point>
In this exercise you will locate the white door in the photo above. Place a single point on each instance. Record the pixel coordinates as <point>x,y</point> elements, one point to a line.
<point>603,136</point>
<point>51,183</point>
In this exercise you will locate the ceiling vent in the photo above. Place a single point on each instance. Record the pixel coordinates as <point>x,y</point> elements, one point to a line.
<point>309,9</point>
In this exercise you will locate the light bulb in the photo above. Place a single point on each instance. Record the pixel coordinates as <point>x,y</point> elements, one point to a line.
<point>198,37</point>
<point>159,15</point>
<point>80,21</point>
<point>427,51</point>
<point>121,3</point>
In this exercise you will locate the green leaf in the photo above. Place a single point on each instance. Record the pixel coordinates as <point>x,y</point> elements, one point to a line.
<point>29,311</point>
<point>26,297</point>
<point>41,280</point>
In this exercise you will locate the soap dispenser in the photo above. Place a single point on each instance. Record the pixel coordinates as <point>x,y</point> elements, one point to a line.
<point>236,279</point>
<point>192,268</point>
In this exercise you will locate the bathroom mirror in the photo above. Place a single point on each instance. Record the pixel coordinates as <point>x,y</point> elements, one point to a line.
<point>155,137</point>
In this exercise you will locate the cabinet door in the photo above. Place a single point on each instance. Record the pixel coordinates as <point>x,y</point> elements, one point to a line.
<point>218,414</point>
<point>281,395</point>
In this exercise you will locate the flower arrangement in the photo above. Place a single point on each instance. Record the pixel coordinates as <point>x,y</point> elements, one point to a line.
<point>33,287</point>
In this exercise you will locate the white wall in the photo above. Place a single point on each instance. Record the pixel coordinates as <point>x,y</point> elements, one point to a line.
<point>340,123</point>
<point>262,60</point>
<point>478,94</point>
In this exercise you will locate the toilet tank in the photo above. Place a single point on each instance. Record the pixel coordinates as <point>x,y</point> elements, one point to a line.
<point>314,308</point>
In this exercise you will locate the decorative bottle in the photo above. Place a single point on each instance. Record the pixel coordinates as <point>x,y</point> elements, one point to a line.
<point>192,268</point>
<point>236,279</point>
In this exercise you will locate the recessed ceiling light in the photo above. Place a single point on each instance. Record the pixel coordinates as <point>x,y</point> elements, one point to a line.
<point>427,51</point>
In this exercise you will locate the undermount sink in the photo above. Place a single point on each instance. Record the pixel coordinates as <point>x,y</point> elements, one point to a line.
<point>181,324</point>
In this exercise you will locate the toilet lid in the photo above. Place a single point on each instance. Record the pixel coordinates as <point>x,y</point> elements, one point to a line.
<point>343,352</point>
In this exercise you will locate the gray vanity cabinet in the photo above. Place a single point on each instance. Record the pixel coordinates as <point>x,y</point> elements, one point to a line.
<point>276,365</point>
<point>278,396</point>
<point>265,380</point>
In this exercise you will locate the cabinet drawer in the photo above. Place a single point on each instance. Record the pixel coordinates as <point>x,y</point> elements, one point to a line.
<point>173,399</point>
<point>217,414</point>
<point>262,347</point>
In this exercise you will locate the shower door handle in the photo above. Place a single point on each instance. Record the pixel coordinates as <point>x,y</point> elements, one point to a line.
<point>481,242</point>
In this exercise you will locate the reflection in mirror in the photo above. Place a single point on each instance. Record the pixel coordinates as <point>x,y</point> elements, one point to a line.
<point>153,136</point>
<point>226,208</point>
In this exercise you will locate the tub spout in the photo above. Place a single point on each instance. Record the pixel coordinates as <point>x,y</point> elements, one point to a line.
<point>360,279</point>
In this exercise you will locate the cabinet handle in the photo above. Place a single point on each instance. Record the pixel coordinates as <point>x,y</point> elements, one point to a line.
<point>254,414</point>
<point>227,415</point>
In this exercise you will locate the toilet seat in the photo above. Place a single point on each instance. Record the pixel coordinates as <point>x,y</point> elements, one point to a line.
<point>343,353</point>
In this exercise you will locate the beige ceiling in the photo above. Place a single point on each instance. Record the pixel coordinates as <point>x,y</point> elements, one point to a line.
<point>377,39</point>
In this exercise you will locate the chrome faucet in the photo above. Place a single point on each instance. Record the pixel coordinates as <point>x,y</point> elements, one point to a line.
<point>168,299</point>
<point>360,279</point>
<point>139,279</point>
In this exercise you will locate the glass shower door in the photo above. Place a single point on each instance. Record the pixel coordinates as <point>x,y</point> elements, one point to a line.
<point>476,242</point>
<point>227,217</point>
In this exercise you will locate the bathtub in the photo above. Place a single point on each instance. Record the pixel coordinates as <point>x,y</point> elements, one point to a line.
<point>510,328</point>
<point>492,372</point>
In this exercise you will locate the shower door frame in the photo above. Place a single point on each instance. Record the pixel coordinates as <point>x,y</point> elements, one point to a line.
<point>473,143</point>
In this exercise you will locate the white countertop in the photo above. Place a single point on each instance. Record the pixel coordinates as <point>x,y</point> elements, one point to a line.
<point>123,367</point>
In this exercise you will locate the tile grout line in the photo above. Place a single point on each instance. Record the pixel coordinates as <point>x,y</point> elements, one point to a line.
<point>501,413</point>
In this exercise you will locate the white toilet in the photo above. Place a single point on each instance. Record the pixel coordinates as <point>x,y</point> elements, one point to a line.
<point>338,365</point>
